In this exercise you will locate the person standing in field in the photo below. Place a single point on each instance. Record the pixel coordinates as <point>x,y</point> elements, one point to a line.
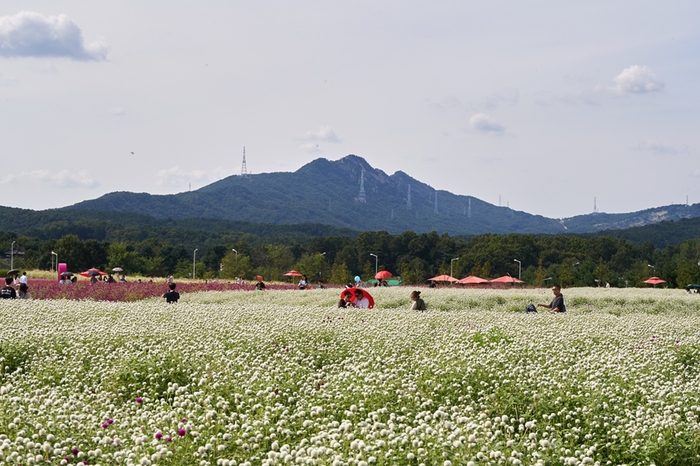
<point>557,304</point>
<point>171,296</point>
<point>8,291</point>
<point>24,291</point>
<point>418,303</point>
<point>23,279</point>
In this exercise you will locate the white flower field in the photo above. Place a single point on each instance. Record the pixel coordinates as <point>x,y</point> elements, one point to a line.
<point>251,378</point>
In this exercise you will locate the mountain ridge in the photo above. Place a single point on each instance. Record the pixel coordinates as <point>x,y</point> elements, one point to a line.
<point>332,198</point>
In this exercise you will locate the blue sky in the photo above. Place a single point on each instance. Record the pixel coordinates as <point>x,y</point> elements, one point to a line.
<point>542,104</point>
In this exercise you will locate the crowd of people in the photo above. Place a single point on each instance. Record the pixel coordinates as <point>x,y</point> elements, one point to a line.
<point>16,288</point>
<point>352,297</point>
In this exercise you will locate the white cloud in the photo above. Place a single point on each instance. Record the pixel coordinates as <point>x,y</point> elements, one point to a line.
<point>638,80</point>
<point>482,123</point>
<point>323,134</point>
<point>117,111</point>
<point>696,173</point>
<point>177,177</point>
<point>661,149</point>
<point>60,179</point>
<point>29,34</point>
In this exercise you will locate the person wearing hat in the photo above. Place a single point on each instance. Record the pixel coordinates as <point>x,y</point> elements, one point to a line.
<point>418,303</point>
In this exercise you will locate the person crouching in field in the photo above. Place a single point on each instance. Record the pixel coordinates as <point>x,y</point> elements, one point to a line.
<point>171,296</point>
<point>346,300</point>
<point>418,303</point>
<point>557,304</point>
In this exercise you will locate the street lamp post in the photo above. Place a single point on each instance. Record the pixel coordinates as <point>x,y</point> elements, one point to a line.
<point>376,263</point>
<point>451,262</point>
<point>12,255</point>
<point>520,267</point>
<point>236,266</point>
<point>194,264</point>
<point>54,254</point>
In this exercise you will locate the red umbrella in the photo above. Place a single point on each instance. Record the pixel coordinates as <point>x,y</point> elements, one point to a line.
<point>292,273</point>
<point>383,275</point>
<point>654,281</point>
<point>442,278</point>
<point>472,280</point>
<point>353,298</point>
<point>93,272</point>
<point>506,279</point>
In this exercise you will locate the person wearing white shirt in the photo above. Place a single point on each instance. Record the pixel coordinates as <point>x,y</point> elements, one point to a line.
<point>23,279</point>
<point>360,300</point>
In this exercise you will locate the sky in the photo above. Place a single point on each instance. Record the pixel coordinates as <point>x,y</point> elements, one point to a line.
<point>543,105</point>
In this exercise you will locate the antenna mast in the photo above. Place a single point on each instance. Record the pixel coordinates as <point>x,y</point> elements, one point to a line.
<point>469,208</point>
<point>436,209</point>
<point>408,199</point>
<point>362,197</point>
<point>244,167</point>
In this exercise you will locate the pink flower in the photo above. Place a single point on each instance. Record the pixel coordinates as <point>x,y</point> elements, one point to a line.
<point>139,400</point>
<point>181,432</point>
<point>159,435</point>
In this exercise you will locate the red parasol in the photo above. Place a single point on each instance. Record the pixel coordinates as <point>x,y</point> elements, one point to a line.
<point>506,279</point>
<point>93,272</point>
<point>364,292</point>
<point>383,275</point>
<point>472,280</point>
<point>292,273</point>
<point>443,278</point>
<point>654,281</point>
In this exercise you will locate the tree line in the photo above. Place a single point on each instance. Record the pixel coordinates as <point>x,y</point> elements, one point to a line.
<point>567,260</point>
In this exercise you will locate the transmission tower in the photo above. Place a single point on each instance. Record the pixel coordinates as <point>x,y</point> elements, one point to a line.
<point>435,209</point>
<point>408,199</point>
<point>362,197</point>
<point>469,208</point>
<point>244,167</point>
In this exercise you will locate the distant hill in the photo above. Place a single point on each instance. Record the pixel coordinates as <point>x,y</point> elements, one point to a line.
<point>324,197</point>
<point>327,192</point>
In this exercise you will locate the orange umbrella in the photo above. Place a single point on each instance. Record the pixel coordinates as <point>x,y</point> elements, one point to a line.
<point>443,278</point>
<point>292,273</point>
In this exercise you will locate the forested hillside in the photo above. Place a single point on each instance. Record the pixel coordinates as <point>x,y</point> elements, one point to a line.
<point>569,260</point>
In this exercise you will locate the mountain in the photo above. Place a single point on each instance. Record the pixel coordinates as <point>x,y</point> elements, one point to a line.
<point>328,192</point>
